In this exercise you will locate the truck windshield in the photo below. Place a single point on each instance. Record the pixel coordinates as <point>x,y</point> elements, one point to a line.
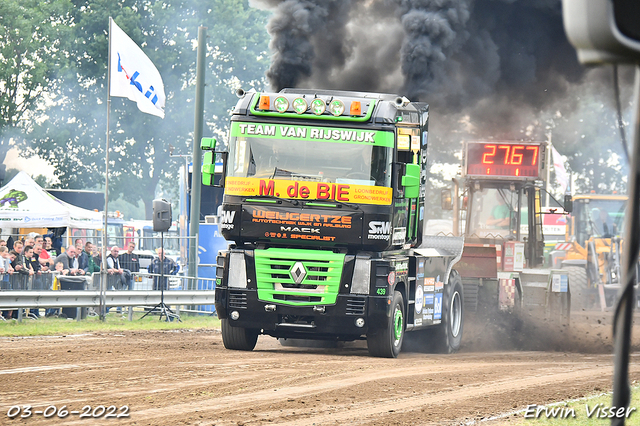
<point>322,161</point>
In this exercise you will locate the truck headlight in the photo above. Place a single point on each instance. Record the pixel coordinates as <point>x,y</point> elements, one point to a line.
<point>361,276</point>
<point>237,270</point>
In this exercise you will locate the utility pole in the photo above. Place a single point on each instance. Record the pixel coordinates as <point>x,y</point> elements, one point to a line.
<point>194,222</point>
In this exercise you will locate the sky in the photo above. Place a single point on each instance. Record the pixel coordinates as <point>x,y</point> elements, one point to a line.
<point>34,166</point>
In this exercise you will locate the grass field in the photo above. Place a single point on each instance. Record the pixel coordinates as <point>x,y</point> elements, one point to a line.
<point>113,322</point>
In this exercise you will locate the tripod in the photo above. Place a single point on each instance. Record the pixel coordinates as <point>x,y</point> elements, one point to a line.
<point>164,309</point>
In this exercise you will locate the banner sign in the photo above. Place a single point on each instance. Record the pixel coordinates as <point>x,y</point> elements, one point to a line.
<point>312,134</point>
<point>305,190</point>
<point>313,225</point>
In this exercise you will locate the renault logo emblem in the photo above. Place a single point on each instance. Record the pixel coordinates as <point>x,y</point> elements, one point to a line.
<point>298,272</point>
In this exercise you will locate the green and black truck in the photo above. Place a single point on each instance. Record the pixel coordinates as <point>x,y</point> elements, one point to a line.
<point>324,203</point>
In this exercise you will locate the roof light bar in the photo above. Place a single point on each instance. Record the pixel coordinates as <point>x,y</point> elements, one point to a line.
<point>336,107</point>
<point>299,105</point>
<point>318,106</point>
<point>281,104</point>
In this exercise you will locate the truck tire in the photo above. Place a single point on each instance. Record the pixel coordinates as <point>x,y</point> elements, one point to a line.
<point>578,285</point>
<point>238,338</point>
<point>448,335</point>
<point>387,342</point>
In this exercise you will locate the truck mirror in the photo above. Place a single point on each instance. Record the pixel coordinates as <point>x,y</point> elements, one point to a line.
<point>568,203</point>
<point>603,31</point>
<point>411,180</point>
<point>213,173</point>
<point>208,169</point>
<point>446,200</point>
<point>208,144</point>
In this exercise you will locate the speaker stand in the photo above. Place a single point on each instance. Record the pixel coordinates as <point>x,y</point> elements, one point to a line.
<point>169,315</point>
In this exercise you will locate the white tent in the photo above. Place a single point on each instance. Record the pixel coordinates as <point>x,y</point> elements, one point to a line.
<point>24,204</point>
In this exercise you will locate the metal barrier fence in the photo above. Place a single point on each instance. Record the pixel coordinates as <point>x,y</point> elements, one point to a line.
<point>175,246</point>
<point>17,281</point>
<point>18,291</point>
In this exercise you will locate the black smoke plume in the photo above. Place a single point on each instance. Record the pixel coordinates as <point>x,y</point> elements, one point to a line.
<point>453,54</point>
<point>489,69</point>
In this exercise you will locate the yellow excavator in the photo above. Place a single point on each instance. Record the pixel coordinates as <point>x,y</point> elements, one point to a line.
<point>591,255</point>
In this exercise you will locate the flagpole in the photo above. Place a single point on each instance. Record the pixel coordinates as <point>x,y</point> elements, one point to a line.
<point>546,204</point>
<point>103,269</point>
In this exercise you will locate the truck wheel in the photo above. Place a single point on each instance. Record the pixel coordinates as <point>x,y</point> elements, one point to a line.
<point>387,342</point>
<point>578,285</point>
<point>238,338</point>
<point>449,333</point>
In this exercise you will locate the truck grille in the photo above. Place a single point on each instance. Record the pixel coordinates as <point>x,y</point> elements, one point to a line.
<point>298,277</point>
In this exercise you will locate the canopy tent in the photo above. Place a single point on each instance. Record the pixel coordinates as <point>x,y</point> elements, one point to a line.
<point>23,203</point>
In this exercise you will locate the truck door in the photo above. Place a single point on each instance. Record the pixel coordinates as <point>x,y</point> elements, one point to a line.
<point>411,164</point>
<point>406,204</point>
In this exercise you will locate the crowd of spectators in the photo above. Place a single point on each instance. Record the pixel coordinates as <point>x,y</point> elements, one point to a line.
<point>34,255</point>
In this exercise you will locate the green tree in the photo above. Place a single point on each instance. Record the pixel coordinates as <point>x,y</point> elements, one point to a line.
<point>32,46</point>
<point>73,136</point>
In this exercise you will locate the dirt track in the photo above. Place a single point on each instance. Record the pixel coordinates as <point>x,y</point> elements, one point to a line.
<point>187,377</point>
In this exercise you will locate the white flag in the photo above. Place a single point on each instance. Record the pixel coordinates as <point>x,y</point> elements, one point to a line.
<point>133,75</point>
<point>561,173</point>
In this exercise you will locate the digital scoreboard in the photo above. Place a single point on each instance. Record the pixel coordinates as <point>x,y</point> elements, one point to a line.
<point>505,159</point>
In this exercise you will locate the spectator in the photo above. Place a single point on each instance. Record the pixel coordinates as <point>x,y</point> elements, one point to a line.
<point>18,263</point>
<point>70,262</point>
<point>83,257</point>
<point>93,261</point>
<point>79,245</point>
<point>59,270</point>
<point>37,253</point>
<point>43,255</point>
<point>31,259</point>
<point>22,266</point>
<point>97,255</point>
<point>29,240</point>
<point>162,265</point>
<point>3,243</point>
<point>130,262</point>
<point>49,248</point>
<point>5,263</point>
<point>27,259</point>
<point>5,267</point>
<point>114,268</point>
<point>56,239</point>
<point>11,257</point>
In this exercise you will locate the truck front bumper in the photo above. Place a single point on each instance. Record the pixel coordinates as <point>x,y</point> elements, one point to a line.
<point>351,317</point>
